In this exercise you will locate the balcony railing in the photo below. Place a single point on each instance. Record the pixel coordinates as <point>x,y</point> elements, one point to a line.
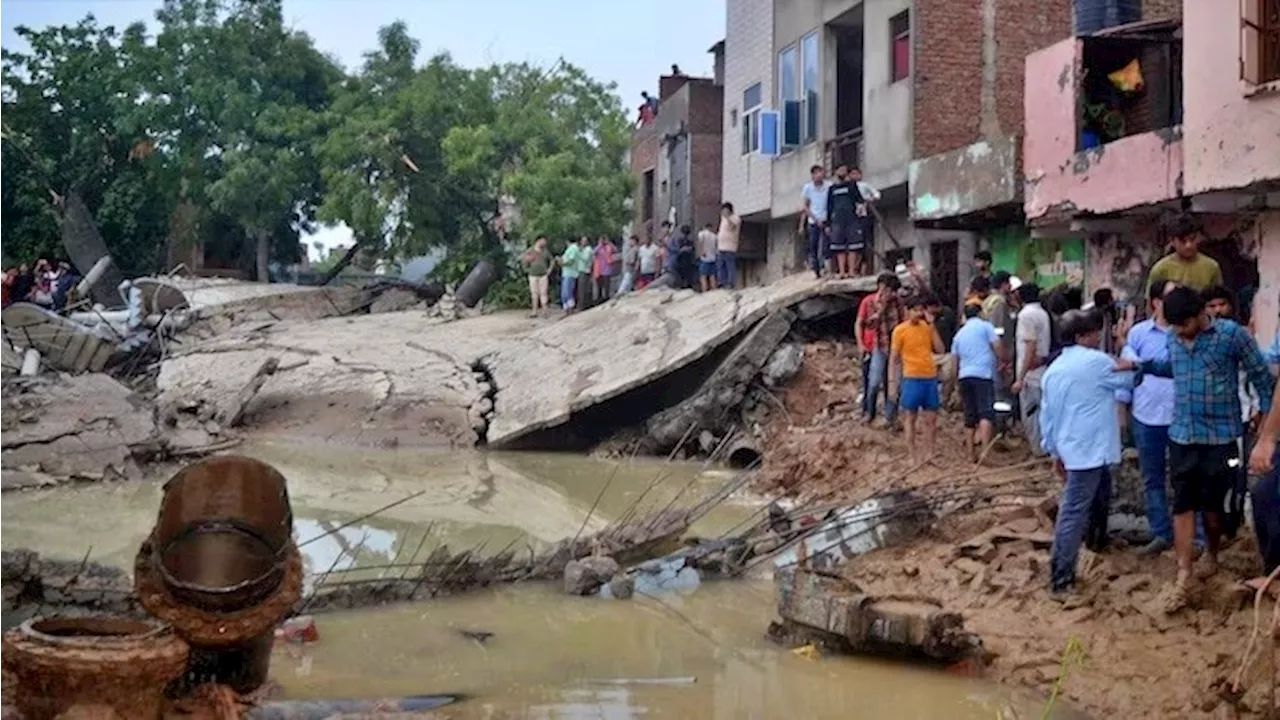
<point>844,149</point>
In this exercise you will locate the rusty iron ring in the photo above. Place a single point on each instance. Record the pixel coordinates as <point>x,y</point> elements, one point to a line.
<point>116,668</point>
<point>255,589</point>
<point>208,629</point>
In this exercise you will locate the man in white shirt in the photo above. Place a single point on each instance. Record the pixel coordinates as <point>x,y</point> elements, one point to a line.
<point>707,257</point>
<point>1034,338</point>
<point>814,194</point>
<point>727,247</point>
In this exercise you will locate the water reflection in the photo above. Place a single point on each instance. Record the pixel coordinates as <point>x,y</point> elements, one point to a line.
<point>469,501</point>
<point>553,656</point>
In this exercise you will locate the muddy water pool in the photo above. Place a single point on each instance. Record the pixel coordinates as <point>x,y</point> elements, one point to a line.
<point>697,654</point>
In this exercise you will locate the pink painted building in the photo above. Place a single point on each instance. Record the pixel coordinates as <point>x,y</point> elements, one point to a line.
<point>1091,153</point>
<point>1128,125</point>
<point>1231,129</point>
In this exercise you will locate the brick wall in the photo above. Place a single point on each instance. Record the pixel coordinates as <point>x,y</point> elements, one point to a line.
<point>706,165</point>
<point>951,74</point>
<point>1166,9</point>
<point>644,157</point>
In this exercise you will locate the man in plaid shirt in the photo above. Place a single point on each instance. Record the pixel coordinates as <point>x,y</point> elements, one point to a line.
<point>1205,359</point>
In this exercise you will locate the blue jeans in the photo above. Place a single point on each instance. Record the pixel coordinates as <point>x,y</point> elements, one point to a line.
<point>1152,442</point>
<point>568,288</point>
<point>1266,517</point>
<point>727,269</point>
<point>868,400</point>
<point>1084,489</point>
<point>817,258</point>
<point>880,381</point>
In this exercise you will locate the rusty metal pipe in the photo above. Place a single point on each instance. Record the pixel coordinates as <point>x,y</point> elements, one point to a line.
<point>102,666</point>
<point>222,568</point>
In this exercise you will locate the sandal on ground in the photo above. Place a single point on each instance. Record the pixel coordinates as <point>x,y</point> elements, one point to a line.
<point>1176,598</point>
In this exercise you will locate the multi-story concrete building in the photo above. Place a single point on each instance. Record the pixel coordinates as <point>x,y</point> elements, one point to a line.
<point>1126,125</point>
<point>676,158</point>
<point>878,84</point>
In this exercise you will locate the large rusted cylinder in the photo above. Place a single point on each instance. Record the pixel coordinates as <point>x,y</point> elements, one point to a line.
<point>101,666</point>
<point>224,524</point>
<point>221,567</point>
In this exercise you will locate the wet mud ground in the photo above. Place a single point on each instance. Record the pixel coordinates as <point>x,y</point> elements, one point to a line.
<point>991,563</point>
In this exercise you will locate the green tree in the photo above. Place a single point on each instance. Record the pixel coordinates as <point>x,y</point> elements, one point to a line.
<point>555,142</point>
<point>255,115</point>
<point>72,122</point>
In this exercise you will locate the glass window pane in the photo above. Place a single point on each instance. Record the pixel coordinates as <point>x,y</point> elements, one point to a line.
<point>751,97</point>
<point>787,75</point>
<point>809,55</point>
<point>791,123</point>
<point>811,117</point>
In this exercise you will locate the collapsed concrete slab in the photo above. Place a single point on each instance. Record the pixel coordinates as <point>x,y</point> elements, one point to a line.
<point>708,407</point>
<point>602,353</point>
<point>411,379</point>
<point>81,427</point>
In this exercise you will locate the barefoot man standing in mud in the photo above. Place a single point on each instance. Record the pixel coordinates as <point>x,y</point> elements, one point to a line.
<point>1205,357</point>
<point>1264,462</point>
<point>914,344</point>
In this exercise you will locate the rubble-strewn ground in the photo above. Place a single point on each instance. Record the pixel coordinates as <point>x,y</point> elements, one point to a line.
<point>991,563</point>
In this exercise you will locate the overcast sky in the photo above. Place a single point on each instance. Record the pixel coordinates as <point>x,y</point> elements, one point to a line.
<point>629,42</point>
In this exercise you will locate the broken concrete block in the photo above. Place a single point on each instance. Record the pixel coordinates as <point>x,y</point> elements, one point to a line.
<point>783,364</point>
<point>836,608</point>
<point>585,576</point>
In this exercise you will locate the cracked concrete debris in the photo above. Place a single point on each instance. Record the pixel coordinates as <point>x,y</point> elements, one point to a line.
<point>628,343</point>
<point>414,379</point>
<point>73,427</point>
<point>708,406</point>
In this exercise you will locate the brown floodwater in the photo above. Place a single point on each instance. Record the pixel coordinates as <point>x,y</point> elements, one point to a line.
<point>700,653</point>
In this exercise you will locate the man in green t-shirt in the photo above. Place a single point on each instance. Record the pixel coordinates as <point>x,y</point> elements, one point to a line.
<point>569,265</point>
<point>1186,265</point>
<point>537,262</point>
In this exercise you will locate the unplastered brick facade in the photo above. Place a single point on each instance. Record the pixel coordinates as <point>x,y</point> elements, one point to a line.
<point>969,60</point>
<point>1169,9</point>
<point>748,59</point>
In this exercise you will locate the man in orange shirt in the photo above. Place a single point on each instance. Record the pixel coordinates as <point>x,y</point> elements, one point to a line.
<point>914,344</point>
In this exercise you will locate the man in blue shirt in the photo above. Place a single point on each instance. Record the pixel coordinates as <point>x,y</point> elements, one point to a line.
<point>1205,359</point>
<point>815,215</point>
<point>977,347</point>
<point>1152,410</point>
<point>1079,427</point>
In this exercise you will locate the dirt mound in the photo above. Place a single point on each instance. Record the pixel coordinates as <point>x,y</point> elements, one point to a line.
<point>822,448</point>
<point>1120,654</point>
<point>1114,653</point>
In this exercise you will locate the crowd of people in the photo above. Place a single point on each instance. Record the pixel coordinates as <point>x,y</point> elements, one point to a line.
<point>1188,386</point>
<point>590,273</point>
<point>45,284</point>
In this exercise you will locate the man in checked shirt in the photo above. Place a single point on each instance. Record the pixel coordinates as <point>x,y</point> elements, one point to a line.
<point>1205,357</point>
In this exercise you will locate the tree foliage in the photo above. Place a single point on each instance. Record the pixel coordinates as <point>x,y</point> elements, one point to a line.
<point>228,129</point>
